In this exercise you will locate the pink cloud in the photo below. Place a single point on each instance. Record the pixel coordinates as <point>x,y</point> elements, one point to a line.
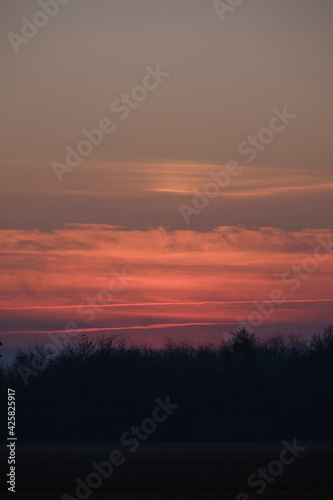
<point>176,277</point>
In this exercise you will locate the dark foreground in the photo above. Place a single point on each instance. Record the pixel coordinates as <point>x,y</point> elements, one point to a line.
<point>172,471</point>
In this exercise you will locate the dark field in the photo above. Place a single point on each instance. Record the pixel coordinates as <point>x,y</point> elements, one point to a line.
<point>179,471</point>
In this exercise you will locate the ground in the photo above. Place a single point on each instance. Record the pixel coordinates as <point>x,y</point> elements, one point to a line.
<point>177,472</point>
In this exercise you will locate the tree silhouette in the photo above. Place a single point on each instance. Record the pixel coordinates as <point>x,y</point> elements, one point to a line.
<point>243,389</point>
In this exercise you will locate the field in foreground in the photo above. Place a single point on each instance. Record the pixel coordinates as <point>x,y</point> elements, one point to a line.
<point>173,471</point>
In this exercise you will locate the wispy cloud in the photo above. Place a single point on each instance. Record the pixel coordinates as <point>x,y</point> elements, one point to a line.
<point>178,277</point>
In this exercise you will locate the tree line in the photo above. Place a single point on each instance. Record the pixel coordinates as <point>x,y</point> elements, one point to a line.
<point>244,389</point>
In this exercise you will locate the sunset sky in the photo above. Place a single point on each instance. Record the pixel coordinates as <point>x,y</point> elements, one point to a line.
<point>203,92</point>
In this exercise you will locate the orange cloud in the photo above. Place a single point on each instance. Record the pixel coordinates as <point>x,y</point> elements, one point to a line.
<point>175,278</point>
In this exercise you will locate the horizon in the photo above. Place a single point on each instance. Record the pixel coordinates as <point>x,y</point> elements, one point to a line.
<point>166,249</point>
<point>200,166</point>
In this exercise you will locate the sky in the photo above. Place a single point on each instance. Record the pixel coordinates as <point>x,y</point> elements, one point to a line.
<point>186,148</point>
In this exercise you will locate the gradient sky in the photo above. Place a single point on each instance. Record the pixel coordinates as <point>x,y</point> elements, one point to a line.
<point>59,242</point>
